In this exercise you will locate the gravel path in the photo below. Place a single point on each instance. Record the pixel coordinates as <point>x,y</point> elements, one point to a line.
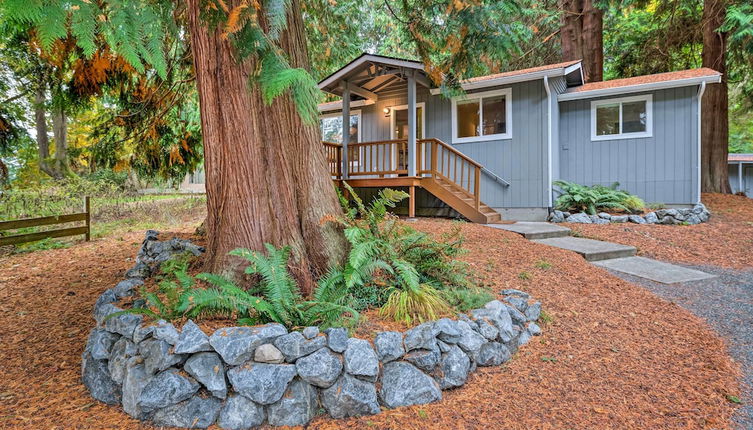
<point>726,303</point>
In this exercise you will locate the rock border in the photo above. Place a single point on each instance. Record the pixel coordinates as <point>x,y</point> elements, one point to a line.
<point>686,216</point>
<point>243,377</point>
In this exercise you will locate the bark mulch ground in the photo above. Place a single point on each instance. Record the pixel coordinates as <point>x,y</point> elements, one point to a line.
<point>724,241</point>
<point>612,355</point>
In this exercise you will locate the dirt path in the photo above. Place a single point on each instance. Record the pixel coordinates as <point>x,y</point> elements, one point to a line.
<point>613,356</point>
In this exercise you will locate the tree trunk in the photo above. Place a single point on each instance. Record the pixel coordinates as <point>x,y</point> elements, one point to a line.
<point>43,141</point>
<point>581,36</point>
<point>60,133</point>
<point>266,176</point>
<point>715,125</point>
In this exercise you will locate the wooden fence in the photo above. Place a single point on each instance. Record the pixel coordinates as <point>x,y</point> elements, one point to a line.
<point>48,220</point>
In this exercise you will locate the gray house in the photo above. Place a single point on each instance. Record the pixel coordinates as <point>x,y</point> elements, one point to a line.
<point>497,149</point>
<point>741,173</point>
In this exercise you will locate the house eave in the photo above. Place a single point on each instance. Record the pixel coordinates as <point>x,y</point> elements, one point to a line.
<point>506,80</point>
<point>334,78</point>
<point>652,86</point>
<point>338,105</point>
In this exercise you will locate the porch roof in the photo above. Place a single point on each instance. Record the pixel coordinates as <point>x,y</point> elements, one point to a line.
<point>369,74</point>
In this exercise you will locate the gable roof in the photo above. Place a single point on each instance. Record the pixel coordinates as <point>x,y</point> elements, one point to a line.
<point>570,69</point>
<point>545,68</point>
<point>681,78</point>
<point>363,64</point>
<point>741,157</point>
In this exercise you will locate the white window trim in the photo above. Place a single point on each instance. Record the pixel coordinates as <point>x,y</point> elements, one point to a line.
<point>507,92</point>
<point>339,114</point>
<point>648,98</point>
<point>421,105</point>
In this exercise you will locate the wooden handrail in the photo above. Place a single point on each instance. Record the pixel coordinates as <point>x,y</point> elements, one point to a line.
<point>450,148</point>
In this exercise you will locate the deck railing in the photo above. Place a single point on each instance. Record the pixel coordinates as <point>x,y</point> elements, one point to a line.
<point>389,158</point>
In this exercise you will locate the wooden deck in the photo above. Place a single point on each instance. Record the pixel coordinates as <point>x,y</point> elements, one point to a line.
<point>442,170</point>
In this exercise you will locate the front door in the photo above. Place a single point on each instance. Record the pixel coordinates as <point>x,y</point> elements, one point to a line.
<point>399,123</point>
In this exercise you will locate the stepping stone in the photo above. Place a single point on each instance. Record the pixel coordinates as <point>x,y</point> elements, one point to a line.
<point>534,230</point>
<point>591,250</point>
<point>658,271</point>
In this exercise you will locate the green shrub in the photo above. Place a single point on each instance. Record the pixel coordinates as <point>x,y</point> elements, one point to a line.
<point>580,198</point>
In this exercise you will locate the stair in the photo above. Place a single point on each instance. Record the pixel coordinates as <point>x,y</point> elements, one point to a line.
<point>460,200</point>
<point>535,230</point>
<point>591,250</point>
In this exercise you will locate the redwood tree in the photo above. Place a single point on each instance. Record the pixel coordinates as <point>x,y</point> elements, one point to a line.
<point>266,175</point>
<point>715,124</point>
<point>581,36</point>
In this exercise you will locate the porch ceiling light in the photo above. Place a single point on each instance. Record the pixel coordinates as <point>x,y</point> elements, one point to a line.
<point>387,112</point>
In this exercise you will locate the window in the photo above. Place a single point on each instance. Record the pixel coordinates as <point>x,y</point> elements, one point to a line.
<point>624,118</point>
<point>482,116</point>
<point>332,130</point>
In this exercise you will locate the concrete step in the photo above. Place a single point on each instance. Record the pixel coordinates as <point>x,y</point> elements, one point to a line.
<point>591,250</point>
<point>658,271</point>
<point>535,230</point>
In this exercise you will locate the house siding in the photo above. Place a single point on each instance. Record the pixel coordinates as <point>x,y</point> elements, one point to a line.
<point>661,169</point>
<point>747,178</point>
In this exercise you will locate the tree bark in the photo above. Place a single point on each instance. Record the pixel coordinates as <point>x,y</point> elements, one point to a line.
<point>715,125</point>
<point>266,175</point>
<point>43,141</point>
<point>60,134</point>
<point>581,36</point>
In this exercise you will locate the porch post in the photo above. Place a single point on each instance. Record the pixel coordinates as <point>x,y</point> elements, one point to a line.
<point>411,125</point>
<point>740,177</point>
<point>346,128</point>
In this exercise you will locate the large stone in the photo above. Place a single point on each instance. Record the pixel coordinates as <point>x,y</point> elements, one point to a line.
<point>651,218</point>
<point>447,330</point>
<point>423,336</point>
<point>96,378</point>
<point>240,413</point>
<point>533,312</point>
<point>142,332</point>
<point>320,368</point>
<point>693,219</point>
<point>350,397</point>
<point>424,359</point>
<point>237,344</point>
<point>165,389</point>
<point>557,216</point>
<point>296,408</point>
<point>164,330</point>
<point>595,219</point>
<point>619,219</point>
<point>404,385</point>
<point>134,381</point>
<point>126,287</point>
<point>361,360</point>
<point>517,317</point>
<point>157,355</point>
<point>191,340</point>
<point>453,368</point>
<point>310,332</point>
<point>207,368</point>
<point>637,219</point>
<point>519,303</point>
<point>470,341</point>
<point>124,324</point>
<point>580,218</point>
<point>534,329</point>
<point>389,346</point>
<point>263,383</point>
<point>498,313</point>
<point>487,329</point>
<point>293,345</point>
<point>100,343</point>
<point>492,354</point>
<point>139,271</point>
<point>516,293</point>
<point>337,339</point>
<point>121,352</point>
<point>195,413</point>
<point>524,338</point>
<point>268,353</point>
<point>604,215</point>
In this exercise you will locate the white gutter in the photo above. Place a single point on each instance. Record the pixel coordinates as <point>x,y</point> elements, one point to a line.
<point>687,82</point>
<point>701,90</point>
<point>549,136</point>
<point>505,80</point>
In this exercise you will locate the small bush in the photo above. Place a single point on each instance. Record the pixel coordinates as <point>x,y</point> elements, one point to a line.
<point>580,198</point>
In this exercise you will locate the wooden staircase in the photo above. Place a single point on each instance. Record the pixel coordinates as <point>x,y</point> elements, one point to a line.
<point>445,172</point>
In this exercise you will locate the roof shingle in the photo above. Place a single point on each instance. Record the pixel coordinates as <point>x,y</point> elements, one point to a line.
<point>646,79</point>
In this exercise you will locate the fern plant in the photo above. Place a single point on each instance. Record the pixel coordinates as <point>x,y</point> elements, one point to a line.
<point>581,198</point>
<point>279,299</point>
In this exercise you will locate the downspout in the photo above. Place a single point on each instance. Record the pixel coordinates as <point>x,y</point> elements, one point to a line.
<point>701,90</point>
<point>549,136</point>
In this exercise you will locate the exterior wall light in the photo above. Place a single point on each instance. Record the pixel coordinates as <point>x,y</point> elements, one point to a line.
<point>387,112</point>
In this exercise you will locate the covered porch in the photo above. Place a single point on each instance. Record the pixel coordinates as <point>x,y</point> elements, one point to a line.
<point>409,159</point>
